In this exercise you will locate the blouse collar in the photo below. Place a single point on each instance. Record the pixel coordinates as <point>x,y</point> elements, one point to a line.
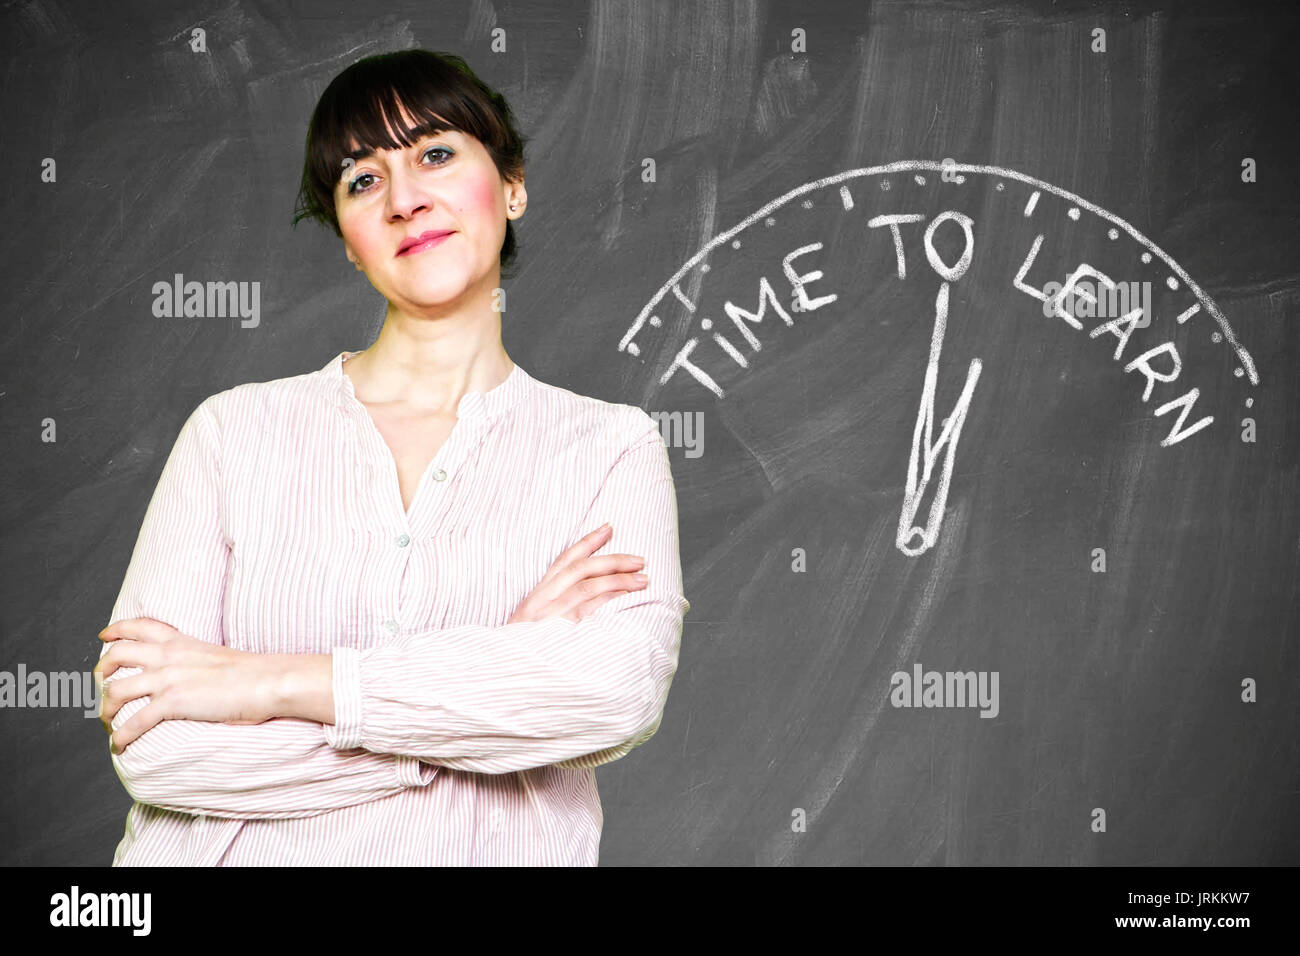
<point>488,405</point>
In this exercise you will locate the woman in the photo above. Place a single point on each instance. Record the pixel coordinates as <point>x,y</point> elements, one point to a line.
<point>365,621</point>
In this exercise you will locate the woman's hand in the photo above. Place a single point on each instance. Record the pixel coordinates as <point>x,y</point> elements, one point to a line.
<point>576,584</point>
<point>184,677</point>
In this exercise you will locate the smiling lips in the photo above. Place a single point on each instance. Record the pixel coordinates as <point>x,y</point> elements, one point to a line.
<point>425,240</point>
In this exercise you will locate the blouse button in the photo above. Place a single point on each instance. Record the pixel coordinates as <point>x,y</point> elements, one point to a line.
<point>439,475</point>
<point>403,540</point>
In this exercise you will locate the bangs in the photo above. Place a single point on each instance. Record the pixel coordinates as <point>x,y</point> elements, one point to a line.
<point>361,118</point>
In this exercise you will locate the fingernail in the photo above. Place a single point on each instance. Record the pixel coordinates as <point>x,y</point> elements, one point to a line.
<point>605,526</point>
<point>640,578</point>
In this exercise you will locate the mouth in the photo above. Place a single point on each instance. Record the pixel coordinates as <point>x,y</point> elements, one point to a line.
<point>413,245</point>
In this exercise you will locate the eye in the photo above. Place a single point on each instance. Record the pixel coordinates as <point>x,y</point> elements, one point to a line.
<point>354,188</point>
<point>354,185</point>
<point>438,149</point>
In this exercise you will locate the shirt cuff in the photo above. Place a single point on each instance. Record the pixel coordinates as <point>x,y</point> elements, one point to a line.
<point>345,732</point>
<point>412,773</point>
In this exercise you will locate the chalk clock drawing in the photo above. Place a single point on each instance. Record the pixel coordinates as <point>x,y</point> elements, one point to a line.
<point>714,304</point>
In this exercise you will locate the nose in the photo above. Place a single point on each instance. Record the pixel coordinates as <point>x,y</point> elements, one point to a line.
<point>406,195</point>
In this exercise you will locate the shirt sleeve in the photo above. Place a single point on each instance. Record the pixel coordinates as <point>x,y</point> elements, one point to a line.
<point>280,768</point>
<point>554,691</point>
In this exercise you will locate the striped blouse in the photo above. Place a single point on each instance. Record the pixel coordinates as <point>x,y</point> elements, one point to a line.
<point>277,526</point>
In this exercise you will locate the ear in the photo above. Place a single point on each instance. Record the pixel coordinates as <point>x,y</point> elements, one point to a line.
<point>352,256</point>
<point>516,199</point>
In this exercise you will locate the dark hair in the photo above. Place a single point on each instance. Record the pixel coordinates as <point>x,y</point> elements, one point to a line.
<point>438,89</point>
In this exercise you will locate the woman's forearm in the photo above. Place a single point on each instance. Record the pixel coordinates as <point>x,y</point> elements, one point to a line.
<point>298,685</point>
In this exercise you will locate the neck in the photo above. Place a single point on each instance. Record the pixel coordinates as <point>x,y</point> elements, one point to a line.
<point>429,365</point>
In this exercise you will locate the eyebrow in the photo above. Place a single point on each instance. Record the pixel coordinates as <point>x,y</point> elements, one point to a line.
<point>429,128</point>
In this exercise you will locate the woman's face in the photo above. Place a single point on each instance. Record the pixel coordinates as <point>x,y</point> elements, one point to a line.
<point>445,183</point>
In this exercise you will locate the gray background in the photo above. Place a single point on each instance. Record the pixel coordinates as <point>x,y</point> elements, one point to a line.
<point>1118,690</point>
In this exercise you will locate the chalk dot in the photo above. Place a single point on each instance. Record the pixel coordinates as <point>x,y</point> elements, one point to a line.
<point>1112,234</point>
<point>632,348</point>
<point>704,267</point>
<point>1239,372</point>
<point>807,204</point>
<point>1073,213</point>
<point>706,324</point>
<point>655,321</point>
<point>1146,257</point>
<point>769,221</point>
<point>735,243</point>
<point>1171,282</point>
<point>920,180</point>
<point>1216,337</point>
<point>1000,186</point>
<point>1250,402</point>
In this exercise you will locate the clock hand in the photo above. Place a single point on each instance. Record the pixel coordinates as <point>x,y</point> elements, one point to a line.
<point>949,436</point>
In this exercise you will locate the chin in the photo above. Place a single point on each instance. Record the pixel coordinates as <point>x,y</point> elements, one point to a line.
<point>422,288</point>
<point>429,298</point>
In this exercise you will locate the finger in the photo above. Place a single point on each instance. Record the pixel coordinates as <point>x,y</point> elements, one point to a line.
<point>587,609</point>
<point>149,716</point>
<point>560,580</point>
<point>580,548</point>
<point>128,653</point>
<point>117,692</point>
<point>588,543</point>
<point>107,662</point>
<point>595,568</point>
<point>138,629</point>
<point>589,589</point>
<point>121,629</point>
<point>609,563</point>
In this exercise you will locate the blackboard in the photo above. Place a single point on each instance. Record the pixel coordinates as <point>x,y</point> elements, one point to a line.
<point>816,241</point>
